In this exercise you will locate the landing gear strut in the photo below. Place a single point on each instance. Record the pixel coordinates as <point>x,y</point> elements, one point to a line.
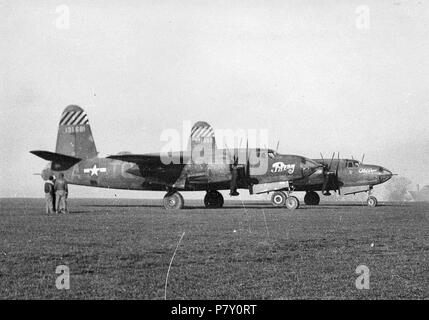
<point>213,199</point>
<point>372,201</point>
<point>173,200</point>
<point>311,198</point>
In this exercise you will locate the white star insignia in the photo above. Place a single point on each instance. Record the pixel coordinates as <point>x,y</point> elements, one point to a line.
<point>94,170</point>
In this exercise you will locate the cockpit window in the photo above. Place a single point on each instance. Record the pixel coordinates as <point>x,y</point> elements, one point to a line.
<point>272,154</point>
<point>351,164</point>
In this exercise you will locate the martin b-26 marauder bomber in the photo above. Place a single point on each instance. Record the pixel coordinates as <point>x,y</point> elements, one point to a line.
<point>203,167</point>
<point>336,174</point>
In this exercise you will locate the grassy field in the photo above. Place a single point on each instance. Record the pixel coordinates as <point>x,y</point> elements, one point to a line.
<point>121,249</point>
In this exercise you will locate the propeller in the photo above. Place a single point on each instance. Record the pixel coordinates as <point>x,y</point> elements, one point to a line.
<point>247,168</point>
<point>336,175</point>
<point>235,166</point>
<point>329,174</point>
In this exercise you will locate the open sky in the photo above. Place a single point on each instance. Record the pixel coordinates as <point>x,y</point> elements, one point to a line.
<point>320,76</point>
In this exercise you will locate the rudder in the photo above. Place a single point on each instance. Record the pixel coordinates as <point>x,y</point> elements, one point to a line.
<point>74,134</point>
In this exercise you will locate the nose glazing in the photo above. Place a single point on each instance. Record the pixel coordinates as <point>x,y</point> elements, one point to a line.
<point>384,174</point>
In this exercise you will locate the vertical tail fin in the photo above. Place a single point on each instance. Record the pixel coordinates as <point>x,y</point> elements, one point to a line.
<point>202,142</point>
<point>202,133</point>
<point>74,134</point>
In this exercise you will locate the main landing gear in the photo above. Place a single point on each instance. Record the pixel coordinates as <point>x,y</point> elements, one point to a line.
<point>173,200</point>
<point>213,199</point>
<point>311,198</point>
<point>280,199</point>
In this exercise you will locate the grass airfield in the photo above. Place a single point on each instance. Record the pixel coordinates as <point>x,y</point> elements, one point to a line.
<point>122,249</point>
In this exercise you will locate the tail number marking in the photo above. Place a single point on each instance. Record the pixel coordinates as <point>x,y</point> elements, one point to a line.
<point>70,129</point>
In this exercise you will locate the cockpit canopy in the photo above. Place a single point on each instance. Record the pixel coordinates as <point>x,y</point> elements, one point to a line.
<point>272,154</point>
<point>352,164</point>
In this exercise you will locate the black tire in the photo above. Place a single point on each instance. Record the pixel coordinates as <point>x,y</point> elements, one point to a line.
<point>278,198</point>
<point>292,203</point>
<point>372,202</point>
<point>213,199</point>
<point>312,198</point>
<point>173,201</point>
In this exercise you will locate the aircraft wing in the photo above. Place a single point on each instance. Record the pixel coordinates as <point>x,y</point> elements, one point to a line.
<point>151,160</point>
<point>146,159</point>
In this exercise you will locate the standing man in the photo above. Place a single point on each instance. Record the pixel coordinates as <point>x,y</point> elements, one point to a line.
<point>61,191</point>
<point>49,195</point>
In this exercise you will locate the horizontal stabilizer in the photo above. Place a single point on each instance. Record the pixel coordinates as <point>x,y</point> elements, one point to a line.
<point>59,161</point>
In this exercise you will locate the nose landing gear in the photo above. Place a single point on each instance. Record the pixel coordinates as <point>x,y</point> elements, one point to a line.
<point>372,201</point>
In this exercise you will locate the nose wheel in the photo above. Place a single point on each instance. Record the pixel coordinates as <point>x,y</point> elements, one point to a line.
<point>213,199</point>
<point>173,201</point>
<point>372,202</point>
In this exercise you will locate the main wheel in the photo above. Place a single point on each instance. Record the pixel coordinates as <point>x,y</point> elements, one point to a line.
<point>292,203</point>
<point>311,198</point>
<point>278,199</point>
<point>173,201</point>
<point>372,201</point>
<point>213,199</point>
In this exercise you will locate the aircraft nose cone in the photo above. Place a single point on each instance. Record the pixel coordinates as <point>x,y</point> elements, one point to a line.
<point>385,175</point>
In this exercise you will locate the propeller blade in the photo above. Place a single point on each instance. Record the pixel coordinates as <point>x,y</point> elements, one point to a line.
<point>338,164</point>
<point>247,159</point>
<point>233,184</point>
<point>336,174</point>
<point>363,156</point>
<point>277,148</point>
<point>229,152</point>
<point>234,171</point>
<point>330,163</point>
<point>325,184</point>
